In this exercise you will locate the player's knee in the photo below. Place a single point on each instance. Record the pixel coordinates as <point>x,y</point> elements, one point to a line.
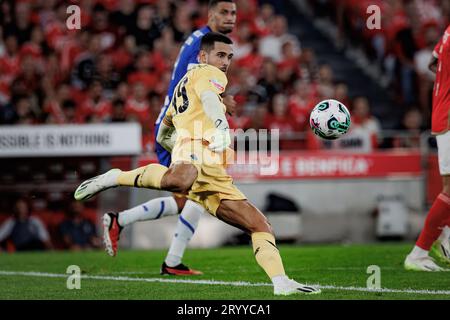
<point>261,224</point>
<point>446,190</point>
<point>181,183</point>
<point>179,178</point>
<point>175,184</point>
<point>187,179</point>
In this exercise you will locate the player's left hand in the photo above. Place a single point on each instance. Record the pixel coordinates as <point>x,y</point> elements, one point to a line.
<point>230,103</point>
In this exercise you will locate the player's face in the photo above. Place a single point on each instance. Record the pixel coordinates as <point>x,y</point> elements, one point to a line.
<point>222,17</point>
<point>219,57</point>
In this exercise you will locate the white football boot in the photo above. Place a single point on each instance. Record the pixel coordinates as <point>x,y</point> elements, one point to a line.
<point>91,187</point>
<point>288,287</point>
<point>421,264</point>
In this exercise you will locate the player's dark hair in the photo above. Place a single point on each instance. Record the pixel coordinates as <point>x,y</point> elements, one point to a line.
<point>213,3</point>
<point>210,38</point>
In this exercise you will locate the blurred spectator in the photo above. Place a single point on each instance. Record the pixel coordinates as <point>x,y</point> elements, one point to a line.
<point>84,68</point>
<point>411,127</point>
<point>240,120</point>
<point>21,25</point>
<point>252,61</point>
<point>28,80</point>
<point>77,232</point>
<point>145,31</point>
<point>364,121</point>
<point>101,26</point>
<point>288,67</point>
<point>9,61</point>
<point>69,111</point>
<point>124,17</point>
<point>281,119</point>
<point>325,82</point>
<point>106,74</point>
<point>301,102</point>
<point>137,106</point>
<point>271,46</point>
<point>242,44</point>
<point>308,64</point>
<point>263,21</point>
<point>259,116</point>
<point>425,76</point>
<point>23,232</point>
<point>118,111</point>
<point>95,107</point>
<point>181,22</point>
<point>268,79</point>
<point>122,91</point>
<point>144,71</point>
<point>54,105</point>
<point>290,59</point>
<point>405,48</point>
<point>19,111</point>
<point>341,93</point>
<point>6,16</point>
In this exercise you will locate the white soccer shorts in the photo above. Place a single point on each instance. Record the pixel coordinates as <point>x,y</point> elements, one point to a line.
<point>443,143</point>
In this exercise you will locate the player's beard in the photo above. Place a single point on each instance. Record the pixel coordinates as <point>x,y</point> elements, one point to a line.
<point>226,30</point>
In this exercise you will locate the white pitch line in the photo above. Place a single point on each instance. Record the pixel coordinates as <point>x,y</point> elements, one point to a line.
<point>215,282</point>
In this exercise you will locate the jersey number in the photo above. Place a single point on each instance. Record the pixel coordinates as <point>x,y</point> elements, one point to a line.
<point>181,101</point>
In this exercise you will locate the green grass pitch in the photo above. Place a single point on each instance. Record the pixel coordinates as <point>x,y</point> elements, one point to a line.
<point>340,270</point>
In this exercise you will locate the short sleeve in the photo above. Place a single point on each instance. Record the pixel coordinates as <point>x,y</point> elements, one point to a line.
<point>210,79</point>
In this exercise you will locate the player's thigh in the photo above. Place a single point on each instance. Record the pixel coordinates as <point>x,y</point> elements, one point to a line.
<point>243,215</point>
<point>179,177</point>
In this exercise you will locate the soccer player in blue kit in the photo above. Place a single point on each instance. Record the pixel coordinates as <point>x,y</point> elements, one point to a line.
<point>221,18</point>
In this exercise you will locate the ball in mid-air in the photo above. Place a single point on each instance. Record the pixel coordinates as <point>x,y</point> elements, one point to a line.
<point>330,119</point>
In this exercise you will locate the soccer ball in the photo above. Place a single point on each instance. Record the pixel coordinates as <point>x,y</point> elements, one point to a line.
<point>330,119</point>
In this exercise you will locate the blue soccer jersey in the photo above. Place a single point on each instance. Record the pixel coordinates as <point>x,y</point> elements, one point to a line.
<point>187,57</point>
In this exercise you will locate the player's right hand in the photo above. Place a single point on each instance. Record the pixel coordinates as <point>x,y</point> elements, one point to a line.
<point>220,140</point>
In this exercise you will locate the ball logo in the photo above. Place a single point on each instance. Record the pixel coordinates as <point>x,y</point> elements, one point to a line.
<point>323,106</point>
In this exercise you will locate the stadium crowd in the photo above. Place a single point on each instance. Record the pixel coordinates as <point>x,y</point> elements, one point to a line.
<point>118,65</point>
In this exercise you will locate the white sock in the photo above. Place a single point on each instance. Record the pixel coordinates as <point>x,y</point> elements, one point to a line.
<point>279,280</point>
<point>186,225</point>
<point>151,210</point>
<point>418,252</point>
<point>445,234</point>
